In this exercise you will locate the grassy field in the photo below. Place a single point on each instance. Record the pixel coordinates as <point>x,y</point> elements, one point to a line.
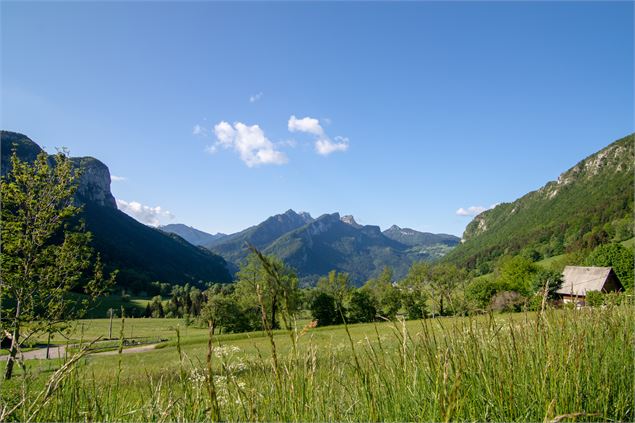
<point>629,243</point>
<point>564,365</point>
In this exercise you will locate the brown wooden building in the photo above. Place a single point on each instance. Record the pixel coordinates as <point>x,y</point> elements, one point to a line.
<point>578,280</point>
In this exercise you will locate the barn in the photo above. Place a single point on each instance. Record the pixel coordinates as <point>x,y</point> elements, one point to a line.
<point>578,280</point>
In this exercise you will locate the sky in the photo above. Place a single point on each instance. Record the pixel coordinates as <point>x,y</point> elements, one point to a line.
<point>420,114</point>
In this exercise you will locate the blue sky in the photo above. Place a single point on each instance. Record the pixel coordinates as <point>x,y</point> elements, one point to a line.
<point>415,110</point>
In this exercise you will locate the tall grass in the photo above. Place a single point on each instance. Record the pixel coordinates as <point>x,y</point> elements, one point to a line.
<point>562,365</point>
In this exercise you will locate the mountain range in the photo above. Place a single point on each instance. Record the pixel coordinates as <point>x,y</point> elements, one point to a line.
<point>589,204</point>
<point>313,247</point>
<point>141,253</point>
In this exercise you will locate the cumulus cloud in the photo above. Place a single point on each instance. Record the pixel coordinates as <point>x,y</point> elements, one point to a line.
<point>474,210</point>
<point>306,124</point>
<point>324,145</point>
<point>250,142</point>
<point>115,178</point>
<point>152,216</point>
<point>255,97</point>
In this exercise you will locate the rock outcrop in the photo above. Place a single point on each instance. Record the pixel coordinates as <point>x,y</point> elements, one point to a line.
<point>94,182</point>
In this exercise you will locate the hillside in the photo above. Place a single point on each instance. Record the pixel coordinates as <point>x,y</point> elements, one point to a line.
<point>141,253</point>
<point>589,204</point>
<point>314,247</point>
<point>233,247</point>
<point>339,243</point>
<point>190,234</point>
<point>415,238</point>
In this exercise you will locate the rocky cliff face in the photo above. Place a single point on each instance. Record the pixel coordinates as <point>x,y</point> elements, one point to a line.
<point>94,183</point>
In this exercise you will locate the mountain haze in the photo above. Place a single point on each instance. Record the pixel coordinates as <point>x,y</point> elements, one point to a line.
<point>192,235</point>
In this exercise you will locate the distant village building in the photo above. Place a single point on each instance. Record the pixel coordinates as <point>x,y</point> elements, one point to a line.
<point>578,280</point>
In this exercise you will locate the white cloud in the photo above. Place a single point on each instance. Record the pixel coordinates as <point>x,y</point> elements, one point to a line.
<point>324,145</point>
<point>250,142</point>
<point>152,216</point>
<point>474,210</point>
<point>255,97</point>
<point>199,130</point>
<point>306,124</point>
<point>225,134</point>
<point>115,178</point>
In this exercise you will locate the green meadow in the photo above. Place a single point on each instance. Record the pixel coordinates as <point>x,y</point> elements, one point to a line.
<point>560,365</point>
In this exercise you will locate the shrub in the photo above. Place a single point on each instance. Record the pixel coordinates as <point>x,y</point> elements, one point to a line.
<point>507,301</point>
<point>594,298</point>
<point>361,307</point>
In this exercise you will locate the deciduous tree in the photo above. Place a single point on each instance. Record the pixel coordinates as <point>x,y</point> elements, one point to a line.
<point>45,249</point>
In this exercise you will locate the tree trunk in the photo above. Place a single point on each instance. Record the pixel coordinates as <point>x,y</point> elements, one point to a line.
<point>441,306</point>
<point>274,324</point>
<point>13,351</point>
<point>48,346</point>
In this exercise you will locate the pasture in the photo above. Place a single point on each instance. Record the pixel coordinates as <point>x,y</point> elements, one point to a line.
<point>559,365</point>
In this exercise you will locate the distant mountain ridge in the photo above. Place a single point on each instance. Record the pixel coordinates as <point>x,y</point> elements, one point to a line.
<point>192,235</point>
<point>413,238</point>
<point>589,204</point>
<point>141,253</point>
<point>232,247</point>
<point>332,242</point>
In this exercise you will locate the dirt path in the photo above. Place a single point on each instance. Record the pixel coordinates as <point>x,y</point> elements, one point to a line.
<point>59,351</point>
<point>133,350</point>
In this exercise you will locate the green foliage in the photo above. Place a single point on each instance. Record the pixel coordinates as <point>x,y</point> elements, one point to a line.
<point>480,291</point>
<point>327,243</point>
<point>224,313</point>
<point>618,257</point>
<point>45,255</point>
<point>386,297</point>
<point>550,278</point>
<point>590,204</point>
<point>324,309</point>
<point>516,274</point>
<point>145,255</point>
<point>489,368</point>
<point>337,285</point>
<point>594,298</point>
<point>415,303</point>
<point>508,301</point>
<point>361,307</point>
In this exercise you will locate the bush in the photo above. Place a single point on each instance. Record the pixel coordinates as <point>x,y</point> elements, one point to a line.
<point>480,291</point>
<point>324,310</point>
<point>507,301</point>
<point>616,256</point>
<point>415,303</point>
<point>594,298</point>
<point>361,308</point>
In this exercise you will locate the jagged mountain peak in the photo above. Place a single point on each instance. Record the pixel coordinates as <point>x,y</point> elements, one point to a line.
<point>350,220</point>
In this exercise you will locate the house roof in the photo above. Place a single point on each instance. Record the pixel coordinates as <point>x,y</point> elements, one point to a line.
<point>577,280</point>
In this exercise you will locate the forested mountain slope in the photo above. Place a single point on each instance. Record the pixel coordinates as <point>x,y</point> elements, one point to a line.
<point>141,254</point>
<point>589,204</point>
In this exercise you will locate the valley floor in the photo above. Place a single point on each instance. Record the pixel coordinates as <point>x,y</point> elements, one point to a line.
<point>562,365</point>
